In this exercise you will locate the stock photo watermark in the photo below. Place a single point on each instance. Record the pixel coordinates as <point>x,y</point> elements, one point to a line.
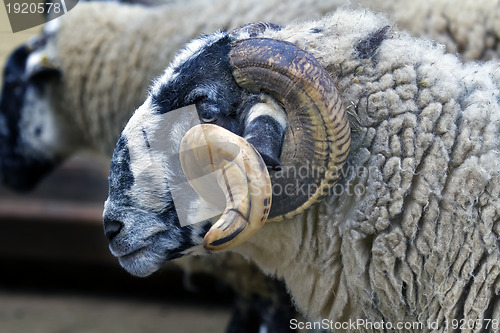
<point>26,14</point>
<point>363,324</point>
<point>297,173</point>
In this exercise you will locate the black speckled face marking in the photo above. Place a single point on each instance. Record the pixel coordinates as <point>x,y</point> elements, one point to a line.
<point>13,91</point>
<point>140,238</point>
<point>11,100</point>
<point>201,74</point>
<point>120,176</point>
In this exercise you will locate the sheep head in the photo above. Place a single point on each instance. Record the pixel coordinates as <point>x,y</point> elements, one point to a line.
<point>269,98</point>
<point>31,140</point>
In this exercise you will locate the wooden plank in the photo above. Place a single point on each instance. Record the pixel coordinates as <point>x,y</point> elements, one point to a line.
<point>54,211</point>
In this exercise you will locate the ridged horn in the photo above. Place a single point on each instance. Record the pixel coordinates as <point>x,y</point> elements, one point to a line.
<point>241,174</point>
<point>317,139</point>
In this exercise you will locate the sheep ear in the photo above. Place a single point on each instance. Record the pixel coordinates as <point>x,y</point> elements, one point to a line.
<point>41,66</point>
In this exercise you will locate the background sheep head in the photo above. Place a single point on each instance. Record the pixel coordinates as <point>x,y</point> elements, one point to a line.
<point>231,81</point>
<point>31,141</point>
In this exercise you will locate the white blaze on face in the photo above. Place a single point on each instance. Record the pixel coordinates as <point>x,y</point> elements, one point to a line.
<point>145,164</point>
<point>153,141</point>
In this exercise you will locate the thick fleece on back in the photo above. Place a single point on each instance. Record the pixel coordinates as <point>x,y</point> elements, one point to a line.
<point>410,234</point>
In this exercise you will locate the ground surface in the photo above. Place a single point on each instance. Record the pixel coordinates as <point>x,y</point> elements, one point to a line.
<point>22,312</point>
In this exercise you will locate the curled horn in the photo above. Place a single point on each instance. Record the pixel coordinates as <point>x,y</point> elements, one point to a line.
<point>315,145</point>
<point>317,138</point>
<point>241,174</point>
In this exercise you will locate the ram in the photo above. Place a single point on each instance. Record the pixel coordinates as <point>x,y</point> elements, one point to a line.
<point>74,87</point>
<point>394,221</point>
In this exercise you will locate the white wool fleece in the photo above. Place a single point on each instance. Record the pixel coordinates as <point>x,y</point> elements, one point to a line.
<point>469,27</point>
<point>109,62</point>
<point>410,233</point>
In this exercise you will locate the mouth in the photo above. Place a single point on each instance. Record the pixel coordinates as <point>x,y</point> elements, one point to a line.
<point>129,255</point>
<point>146,258</point>
<point>141,262</point>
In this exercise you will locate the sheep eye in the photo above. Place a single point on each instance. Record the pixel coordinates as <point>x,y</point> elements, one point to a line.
<point>207,111</point>
<point>209,119</point>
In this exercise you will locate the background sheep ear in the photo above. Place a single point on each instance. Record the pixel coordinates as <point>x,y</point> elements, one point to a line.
<point>43,67</point>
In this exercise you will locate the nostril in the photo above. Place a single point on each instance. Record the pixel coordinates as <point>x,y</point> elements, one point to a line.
<point>112,228</point>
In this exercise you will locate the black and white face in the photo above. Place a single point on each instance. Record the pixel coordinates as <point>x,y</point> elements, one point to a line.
<point>142,223</point>
<point>140,219</point>
<point>32,135</point>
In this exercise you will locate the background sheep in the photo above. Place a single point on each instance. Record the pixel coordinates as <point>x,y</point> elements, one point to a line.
<point>470,29</point>
<point>411,232</point>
